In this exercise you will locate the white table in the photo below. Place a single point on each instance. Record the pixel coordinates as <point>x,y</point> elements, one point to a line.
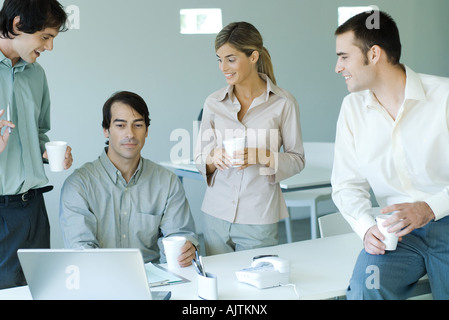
<point>319,268</point>
<point>309,178</point>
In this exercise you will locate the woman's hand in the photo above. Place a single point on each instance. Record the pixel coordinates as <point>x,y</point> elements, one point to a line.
<point>252,156</point>
<point>218,159</point>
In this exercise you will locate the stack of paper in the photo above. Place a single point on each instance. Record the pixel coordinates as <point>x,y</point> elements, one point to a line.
<point>158,276</point>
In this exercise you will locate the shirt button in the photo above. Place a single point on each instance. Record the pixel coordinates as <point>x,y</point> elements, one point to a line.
<point>124,236</point>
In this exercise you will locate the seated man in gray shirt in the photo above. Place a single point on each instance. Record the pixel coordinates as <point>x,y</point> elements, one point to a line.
<point>122,200</point>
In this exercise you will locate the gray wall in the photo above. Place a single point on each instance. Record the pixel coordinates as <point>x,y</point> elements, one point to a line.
<point>136,45</point>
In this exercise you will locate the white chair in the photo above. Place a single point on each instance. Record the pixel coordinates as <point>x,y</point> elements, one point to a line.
<point>317,154</point>
<point>333,224</point>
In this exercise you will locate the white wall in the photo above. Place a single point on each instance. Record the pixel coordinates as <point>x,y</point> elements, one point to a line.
<point>136,45</point>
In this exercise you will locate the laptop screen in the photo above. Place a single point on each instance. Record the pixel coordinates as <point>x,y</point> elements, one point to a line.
<point>94,274</point>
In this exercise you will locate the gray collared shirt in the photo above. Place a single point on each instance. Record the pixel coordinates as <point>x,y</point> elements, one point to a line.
<point>98,209</point>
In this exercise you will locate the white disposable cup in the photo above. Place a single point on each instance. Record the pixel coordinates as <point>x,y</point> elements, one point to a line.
<point>233,145</point>
<point>207,286</point>
<point>172,248</point>
<point>56,154</point>
<point>391,240</point>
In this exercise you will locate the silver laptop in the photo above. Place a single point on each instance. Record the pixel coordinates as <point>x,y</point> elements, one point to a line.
<point>94,274</point>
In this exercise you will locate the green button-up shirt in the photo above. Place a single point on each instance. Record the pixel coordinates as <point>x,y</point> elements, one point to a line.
<point>24,86</point>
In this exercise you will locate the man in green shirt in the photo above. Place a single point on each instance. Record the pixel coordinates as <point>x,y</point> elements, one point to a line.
<point>27,29</point>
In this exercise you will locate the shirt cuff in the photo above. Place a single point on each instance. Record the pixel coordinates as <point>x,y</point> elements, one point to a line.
<point>363,224</point>
<point>210,178</point>
<point>439,203</point>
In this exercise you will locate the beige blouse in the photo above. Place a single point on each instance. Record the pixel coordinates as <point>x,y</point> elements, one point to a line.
<point>252,195</point>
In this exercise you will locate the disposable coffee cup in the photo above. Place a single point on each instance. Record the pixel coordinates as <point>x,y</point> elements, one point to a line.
<point>172,248</point>
<point>56,154</point>
<point>207,286</point>
<point>232,145</point>
<point>391,240</point>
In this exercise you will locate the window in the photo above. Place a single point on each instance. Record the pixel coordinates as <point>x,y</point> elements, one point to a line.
<point>200,21</point>
<point>344,13</point>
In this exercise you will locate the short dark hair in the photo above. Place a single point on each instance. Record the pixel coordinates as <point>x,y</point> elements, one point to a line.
<point>385,36</point>
<point>129,98</point>
<point>35,15</point>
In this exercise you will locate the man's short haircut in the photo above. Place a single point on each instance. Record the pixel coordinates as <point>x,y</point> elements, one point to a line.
<point>129,98</point>
<point>385,36</point>
<point>35,15</point>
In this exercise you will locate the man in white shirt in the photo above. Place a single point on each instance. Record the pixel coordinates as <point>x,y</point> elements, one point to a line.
<point>392,136</point>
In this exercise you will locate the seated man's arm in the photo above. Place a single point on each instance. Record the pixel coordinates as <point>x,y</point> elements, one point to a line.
<point>178,220</point>
<point>78,224</point>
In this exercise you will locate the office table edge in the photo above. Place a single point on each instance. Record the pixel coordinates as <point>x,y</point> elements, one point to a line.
<point>190,171</point>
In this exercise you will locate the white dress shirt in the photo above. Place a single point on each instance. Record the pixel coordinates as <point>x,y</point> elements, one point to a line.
<point>402,160</point>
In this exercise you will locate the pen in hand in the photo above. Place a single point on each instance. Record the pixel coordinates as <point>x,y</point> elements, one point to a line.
<point>8,117</point>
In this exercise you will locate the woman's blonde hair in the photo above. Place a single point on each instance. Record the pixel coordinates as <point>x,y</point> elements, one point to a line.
<point>246,38</point>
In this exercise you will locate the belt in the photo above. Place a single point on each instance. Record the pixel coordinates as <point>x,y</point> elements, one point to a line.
<point>26,196</point>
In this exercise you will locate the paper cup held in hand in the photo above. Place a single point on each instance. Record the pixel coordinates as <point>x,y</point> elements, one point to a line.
<point>233,145</point>
<point>391,240</point>
<point>172,248</point>
<point>56,154</point>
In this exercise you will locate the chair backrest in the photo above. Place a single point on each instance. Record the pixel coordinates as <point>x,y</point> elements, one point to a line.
<point>333,224</point>
<point>320,154</point>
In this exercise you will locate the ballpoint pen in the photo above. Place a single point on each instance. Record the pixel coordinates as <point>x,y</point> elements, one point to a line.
<point>8,117</point>
<point>197,257</point>
<point>197,268</point>
<point>202,267</point>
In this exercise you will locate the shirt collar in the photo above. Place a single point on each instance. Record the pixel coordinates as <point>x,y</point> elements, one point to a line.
<point>113,172</point>
<point>413,89</point>
<point>2,56</point>
<point>271,87</point>
<point>19,66</point>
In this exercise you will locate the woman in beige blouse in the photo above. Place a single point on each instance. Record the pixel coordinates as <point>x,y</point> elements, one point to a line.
<point>243,205</point>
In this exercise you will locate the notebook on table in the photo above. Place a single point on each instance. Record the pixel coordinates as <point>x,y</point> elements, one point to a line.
<point>93,274</point>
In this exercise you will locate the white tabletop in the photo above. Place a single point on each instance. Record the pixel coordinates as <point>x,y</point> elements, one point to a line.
<point>18,293</point>
<point>310,177</point>
<point>320,269</point>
